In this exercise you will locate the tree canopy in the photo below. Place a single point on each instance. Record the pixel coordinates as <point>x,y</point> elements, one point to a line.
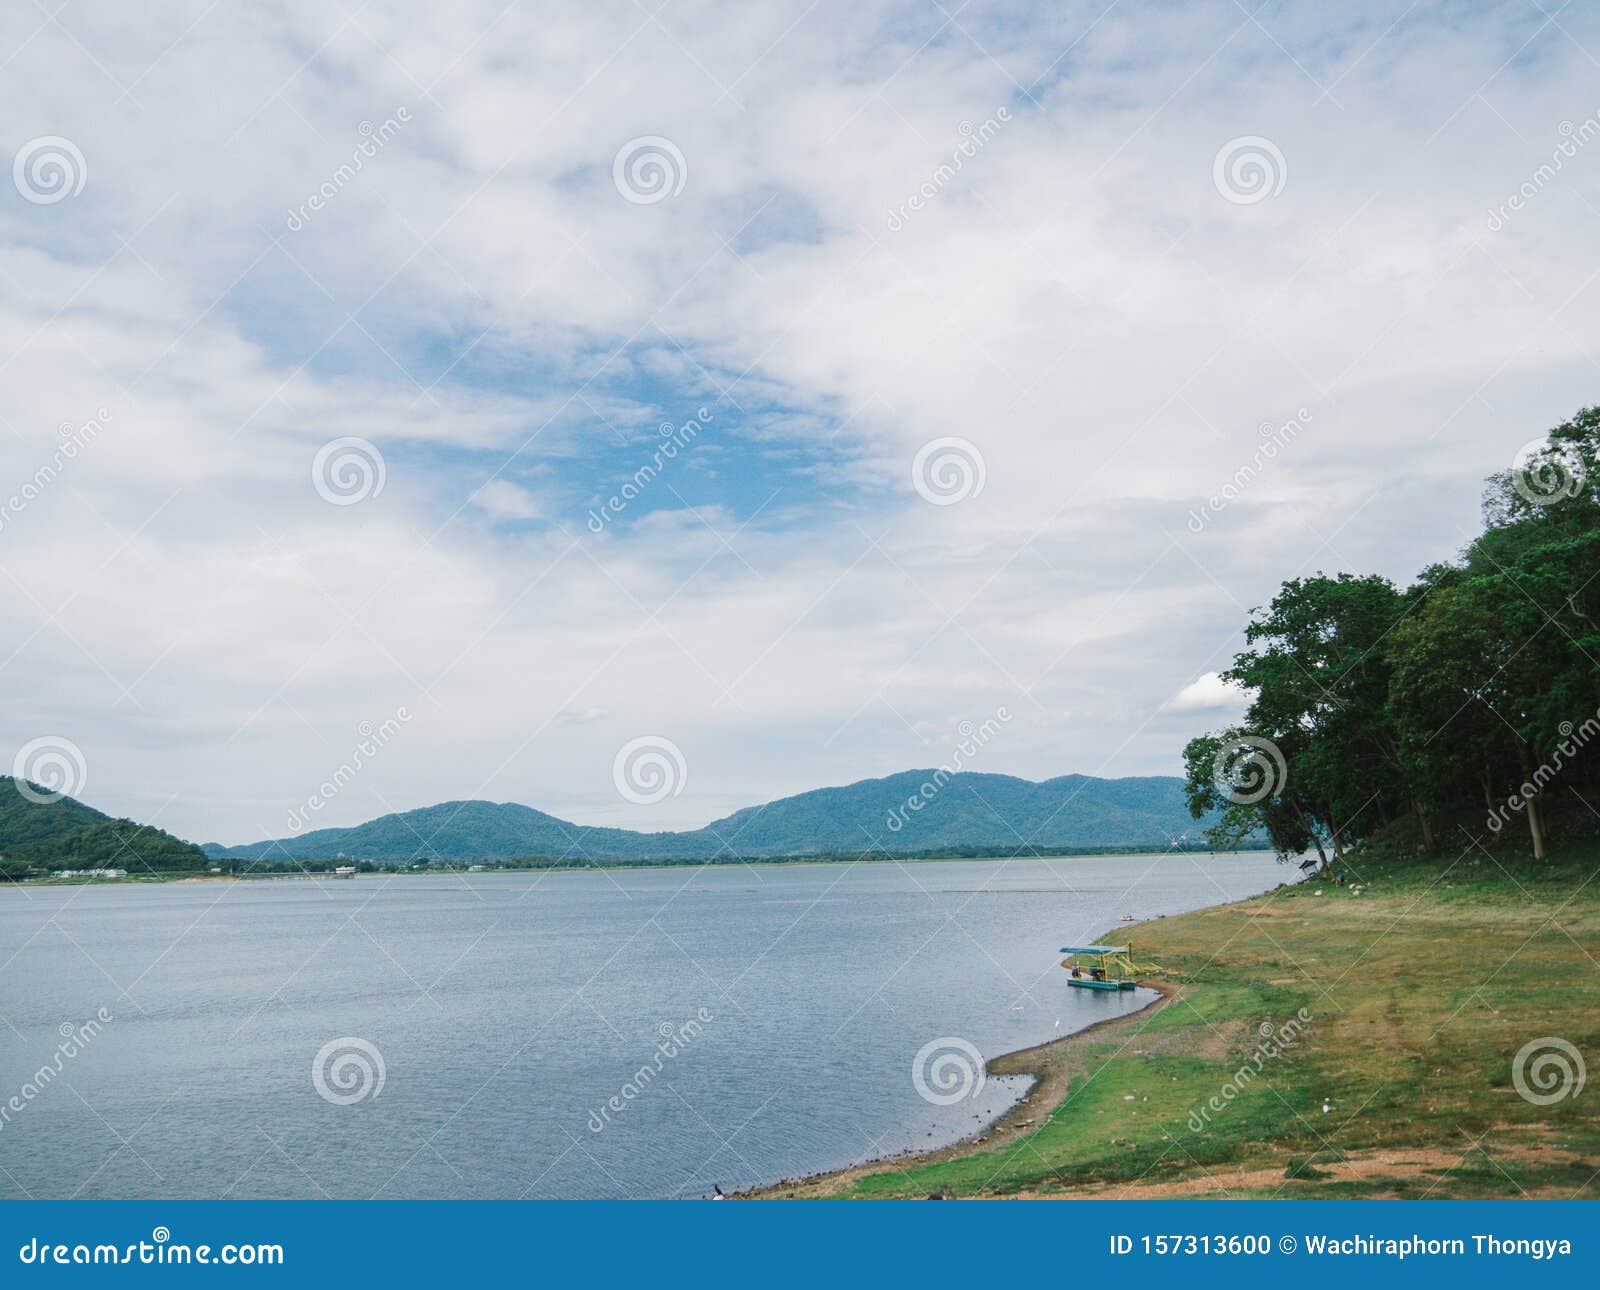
<point>1475,688</point>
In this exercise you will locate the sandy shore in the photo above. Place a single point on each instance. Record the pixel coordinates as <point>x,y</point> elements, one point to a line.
<point>1051,1066</point>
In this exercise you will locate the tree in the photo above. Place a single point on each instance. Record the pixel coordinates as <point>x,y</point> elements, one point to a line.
<point>1478,683</point>
<point>1233,773</point>
<point>1318,668</point>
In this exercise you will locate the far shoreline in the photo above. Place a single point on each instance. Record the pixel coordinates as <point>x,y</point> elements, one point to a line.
<point>623,866</point>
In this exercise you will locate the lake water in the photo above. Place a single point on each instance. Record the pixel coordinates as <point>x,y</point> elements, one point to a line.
<point>777,1011</point>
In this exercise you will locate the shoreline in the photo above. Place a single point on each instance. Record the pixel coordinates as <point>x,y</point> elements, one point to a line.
<point>1050,1069</point>
<point>1283,1075</point>
<point>760,862</point>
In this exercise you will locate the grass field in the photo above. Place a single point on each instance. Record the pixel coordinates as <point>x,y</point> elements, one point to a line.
<point>1420,990</point>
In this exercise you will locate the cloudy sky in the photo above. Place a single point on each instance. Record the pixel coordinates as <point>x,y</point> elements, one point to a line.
<point>975,357</point>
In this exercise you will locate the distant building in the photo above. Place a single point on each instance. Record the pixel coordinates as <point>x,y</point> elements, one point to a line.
<point>345,871</point>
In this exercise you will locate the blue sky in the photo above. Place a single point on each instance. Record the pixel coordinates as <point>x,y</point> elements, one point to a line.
<point>983,303</point>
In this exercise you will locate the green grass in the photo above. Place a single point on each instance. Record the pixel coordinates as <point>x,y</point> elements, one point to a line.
<point>1421,990</point>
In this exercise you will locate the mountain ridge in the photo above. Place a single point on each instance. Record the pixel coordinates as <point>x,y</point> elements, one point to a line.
<point>910,811</point>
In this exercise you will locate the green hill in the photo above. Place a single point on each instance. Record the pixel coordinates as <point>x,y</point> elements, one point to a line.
<point>997,813</point>
<point>66,834</point>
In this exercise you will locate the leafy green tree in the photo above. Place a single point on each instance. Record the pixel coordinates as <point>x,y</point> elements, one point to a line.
<point>1232,774</point>
<point>1317,666</point>
<point>1454,745</point>
<point>1479,684</point>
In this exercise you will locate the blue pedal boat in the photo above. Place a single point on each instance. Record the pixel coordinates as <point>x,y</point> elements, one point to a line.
<point>1099,967</point>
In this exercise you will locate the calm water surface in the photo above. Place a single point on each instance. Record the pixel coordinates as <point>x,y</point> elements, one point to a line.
<point>509,1009</point>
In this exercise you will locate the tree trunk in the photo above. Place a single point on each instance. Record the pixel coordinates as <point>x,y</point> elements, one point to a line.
<point>1321,854</point>
<point>1422,819</point>
<point>1531,806</point>
<point>1536,828</point>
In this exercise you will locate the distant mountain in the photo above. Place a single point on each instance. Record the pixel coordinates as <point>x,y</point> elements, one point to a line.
<point>66,834</point>
<point>964,810</point>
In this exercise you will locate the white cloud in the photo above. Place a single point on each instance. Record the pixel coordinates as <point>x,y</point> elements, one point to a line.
<point>505,500</point>
<point>1206,693</point>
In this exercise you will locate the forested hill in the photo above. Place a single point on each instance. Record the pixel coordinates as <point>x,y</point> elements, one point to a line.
<point>1467,703</point>
<point>63,833</point>
<point>964,810</point>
